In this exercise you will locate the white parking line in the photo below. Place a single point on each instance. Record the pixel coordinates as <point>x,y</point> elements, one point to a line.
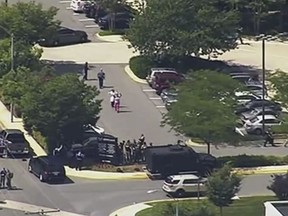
<point>68,8</point>
<point>76,14</point>
<point>149,90</point>
<point>160,107</point>
<point>64,2</point>
<point>155,98</point>
<point>91,26</point>
<point>86,20</point>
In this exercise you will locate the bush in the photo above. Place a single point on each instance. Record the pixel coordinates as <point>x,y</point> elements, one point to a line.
<point>113,32</point>
<point>40,139</point>
<point>141,65</point>
<point>252,160</point>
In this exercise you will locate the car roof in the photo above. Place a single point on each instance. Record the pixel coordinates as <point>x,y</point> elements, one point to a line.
<point>49,159</point>
<point>184,176</point>
<point>265,108</point>
<point>245,93</point>
<point>14,131</point>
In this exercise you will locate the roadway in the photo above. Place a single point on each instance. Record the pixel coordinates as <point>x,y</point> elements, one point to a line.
<point>96,198</point>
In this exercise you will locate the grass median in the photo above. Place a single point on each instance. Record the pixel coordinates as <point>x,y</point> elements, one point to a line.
<point>253,206</point>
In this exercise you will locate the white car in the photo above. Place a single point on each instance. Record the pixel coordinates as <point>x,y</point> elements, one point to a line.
<point>77,5</point>
<point>254,125</point>
<point>244,97</point>
<point>180,185</point>
<point>97,129</point>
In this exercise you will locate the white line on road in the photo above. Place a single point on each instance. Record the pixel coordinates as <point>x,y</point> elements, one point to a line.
<point>155,98</point>
<point>149,90</point>
<point>86,20</point>
<point>76,14</point>
<point>68,8</point>
<point>64,2</point>
<point>160,107</point>
<point>91,26</point>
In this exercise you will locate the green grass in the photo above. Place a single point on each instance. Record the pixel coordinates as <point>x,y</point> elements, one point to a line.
<point>247,206</point>
<point>114,32</point>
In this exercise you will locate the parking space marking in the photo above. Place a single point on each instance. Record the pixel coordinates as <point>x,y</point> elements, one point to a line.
<point>92,26</point>
<point>68,8</point>
<point>76,14</point>
<point>155,98</point>
<point>149,90</point>
<point>64,2</point>
<point>160,107</point>
<point>86,20</point>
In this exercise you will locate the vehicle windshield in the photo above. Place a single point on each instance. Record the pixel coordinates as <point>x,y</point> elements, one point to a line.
<point>15,137</point>
<point>170,180</point>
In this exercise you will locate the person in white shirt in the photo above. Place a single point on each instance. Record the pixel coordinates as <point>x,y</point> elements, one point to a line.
<point>117,101</point>
<point>112,97</point>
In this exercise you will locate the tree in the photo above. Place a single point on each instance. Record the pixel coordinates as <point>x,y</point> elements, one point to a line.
<point>25,55</point>
<point>279,186</point>
<point>202,210</point>
<point>60,108</point>
<point>205,108</point>
<point>279,86</point>
<point>182,28</point>
<point>222,186</point>
<point>28,21</point>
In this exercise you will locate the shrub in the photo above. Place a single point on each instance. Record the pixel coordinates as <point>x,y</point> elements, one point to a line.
<point>279,186</point>
<point>40,139</point>
<point>252,160</point>
<point>141,65</point>
<point>113,32</point>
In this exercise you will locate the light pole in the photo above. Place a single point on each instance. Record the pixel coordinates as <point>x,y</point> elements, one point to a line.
<point>12,63</point>
<point>263,85</point>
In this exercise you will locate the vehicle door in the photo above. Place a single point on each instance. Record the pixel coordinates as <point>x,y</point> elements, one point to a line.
<point>190,185</point>
<point>35,165</point>
<point>66,36</point>
<point>271,122</point>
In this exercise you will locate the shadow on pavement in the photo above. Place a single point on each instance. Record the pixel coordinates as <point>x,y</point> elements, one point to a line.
<point>63,67</point>
<point>66,181</point>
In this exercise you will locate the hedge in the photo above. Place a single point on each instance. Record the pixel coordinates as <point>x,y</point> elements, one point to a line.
<point>252,160</point>
<point>141,65</point>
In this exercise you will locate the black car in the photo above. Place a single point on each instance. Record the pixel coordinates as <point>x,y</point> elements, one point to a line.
<point>47,168</point>
<point>65,36</point>
<point>258,103</point>
<point>122,20</point>
<point>94,11</point>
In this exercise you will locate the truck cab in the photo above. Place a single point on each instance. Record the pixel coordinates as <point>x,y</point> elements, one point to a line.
<point>14,142</point>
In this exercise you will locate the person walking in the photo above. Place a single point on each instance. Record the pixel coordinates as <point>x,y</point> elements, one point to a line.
<point>117,101</point>
<point>142,139</point>
<point>269,139</point>
<point>79,160</point>
<point>101,78</point>
<point>85,70</point>
<point>9,176</point>
<point>3,173</point>
<point>112,97</point>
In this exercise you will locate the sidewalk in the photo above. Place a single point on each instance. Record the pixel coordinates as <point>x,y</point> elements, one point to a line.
<point>5,117</point>
<point>131,210</point>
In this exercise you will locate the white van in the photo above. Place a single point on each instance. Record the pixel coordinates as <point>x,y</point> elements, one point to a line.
<point>77,5</point>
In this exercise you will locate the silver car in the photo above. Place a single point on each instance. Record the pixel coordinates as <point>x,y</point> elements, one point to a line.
<point>254,125</point>
<point>166,93</point>
<point>258,112</point>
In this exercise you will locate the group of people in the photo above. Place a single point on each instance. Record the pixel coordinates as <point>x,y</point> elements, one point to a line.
<point>6,177</point>
<point>133,152</point>
<point>100,75</point>
<point>115,99</point>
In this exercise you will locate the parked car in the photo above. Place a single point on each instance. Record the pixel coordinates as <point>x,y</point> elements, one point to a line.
<point>246,79</point>
<point>257,112</point>
<point>14,142</point>
<point>244,97</point>
<point>77,5</point>
<point>65,36</point>
<point>256,89</point>
<point>151,76</point>
<point>163,81</point>
<point>255,124</point>
<point>180,185</point>
<point>258,103</point>
<point>169,101</point>
<point>94,129</point>
<point>47,168</point>
<point>94,11</point>
<point>122,20</point>
<point>166,93</point>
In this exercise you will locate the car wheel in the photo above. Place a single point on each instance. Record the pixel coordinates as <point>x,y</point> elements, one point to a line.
<point>41,178</point>
<point>29,169</point>
<point>258,131</point>
<point>180,193</point>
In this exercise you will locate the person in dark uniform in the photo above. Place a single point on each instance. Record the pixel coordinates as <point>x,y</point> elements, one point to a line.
<point>79,160</point>
<point>85,70</point>
<point>3,173</point>
<point>269,139</point>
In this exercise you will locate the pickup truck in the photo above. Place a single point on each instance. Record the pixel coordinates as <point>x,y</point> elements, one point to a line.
<point>14,142</point>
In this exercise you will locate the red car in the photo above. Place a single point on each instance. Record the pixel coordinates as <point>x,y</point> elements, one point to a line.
<point>163,81</point>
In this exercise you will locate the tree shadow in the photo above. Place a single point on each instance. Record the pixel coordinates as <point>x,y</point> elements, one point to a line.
<point>64,67</point>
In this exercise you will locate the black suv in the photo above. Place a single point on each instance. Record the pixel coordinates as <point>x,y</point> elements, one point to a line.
<point>122,20</point>
<point>47,168</point>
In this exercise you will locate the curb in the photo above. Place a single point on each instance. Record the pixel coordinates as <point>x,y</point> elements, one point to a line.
<point>133,76</point>
<point>104,38</point>
<point>192,143</point>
